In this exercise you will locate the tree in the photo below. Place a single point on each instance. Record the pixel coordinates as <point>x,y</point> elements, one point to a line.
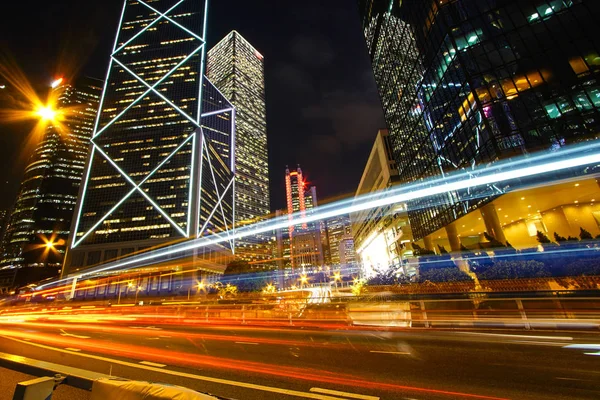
<point>383,278</point>
<point>493,241</point>
<point>559,238</point>
<point>419,251</point>
<point>573,239</point>
<point>542,238</point>
<point>442,249</point>
<point>585,235</point>
<point>238,267</point>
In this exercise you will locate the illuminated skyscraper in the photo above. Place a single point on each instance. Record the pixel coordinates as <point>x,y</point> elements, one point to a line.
<point>237,70</point>
<point>44,207</point>
<point>338,229</point>
<point>162,158</point>
<point>465,83</point>
<point>306,248</point>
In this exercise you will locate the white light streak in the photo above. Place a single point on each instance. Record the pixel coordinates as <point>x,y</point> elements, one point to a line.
<point>404,193</point>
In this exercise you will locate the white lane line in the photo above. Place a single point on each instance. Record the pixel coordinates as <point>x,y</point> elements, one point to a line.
<point>153,364</point>
<point>390,352</point>
<point>72,349</point>
<point>517,336</point>
<point>252,343</point>
<point>568,379</point>
<point>584,346</point>
<point>245,385</point>
<point>72,335</point>
<point>592,354</point>
<point>345,394</point>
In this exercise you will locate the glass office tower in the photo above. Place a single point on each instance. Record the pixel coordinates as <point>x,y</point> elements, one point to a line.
<point>237,70</point>
<point>38,226</point>
<point>469,82</point>
<point>162,158</point>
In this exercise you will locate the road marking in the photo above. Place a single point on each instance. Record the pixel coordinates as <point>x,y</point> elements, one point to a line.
<point>73,335</point>
<point>252,343</point>
<point>72,349</point>
<point>518,336</point>
<point>592,354</point>
<point>153,364</point>
<point>584,346</point>
<point>568,379</point>
<point>245,385</point>
<point>345,394</point>
<point>390,352</point>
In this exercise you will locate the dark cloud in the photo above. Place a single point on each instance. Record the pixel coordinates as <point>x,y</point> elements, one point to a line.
<point>312,50</point>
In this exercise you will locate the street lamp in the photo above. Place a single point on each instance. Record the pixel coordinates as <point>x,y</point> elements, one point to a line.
<point>303,280</point>
<point>137,290</point>
<point>337,277</point>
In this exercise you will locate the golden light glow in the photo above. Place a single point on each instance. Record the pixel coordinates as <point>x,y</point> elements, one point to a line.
<point>46,113</point>
<point>337,276</point>
<point>49,245</point>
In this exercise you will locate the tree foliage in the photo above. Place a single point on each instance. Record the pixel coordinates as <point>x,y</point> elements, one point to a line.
<point>449,274</point>
<point>585,235</point>
<point>542,238</point>
<point>516,269</point>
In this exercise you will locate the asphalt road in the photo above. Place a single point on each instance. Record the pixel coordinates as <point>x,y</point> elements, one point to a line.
<point>281,363</point>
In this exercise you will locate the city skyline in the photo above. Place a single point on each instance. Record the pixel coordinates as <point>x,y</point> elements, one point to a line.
<point>308,95</point>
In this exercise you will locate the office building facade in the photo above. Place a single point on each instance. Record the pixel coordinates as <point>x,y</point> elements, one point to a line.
<point>38,225</point>
<point>237,70</point>
<point>465,83</point>
<point>162,158</point>
<point>382,235</point>
<point>337,229</point>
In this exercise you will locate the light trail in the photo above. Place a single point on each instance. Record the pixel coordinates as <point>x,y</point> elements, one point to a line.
<point>172,357</point>
<point>509,170</point>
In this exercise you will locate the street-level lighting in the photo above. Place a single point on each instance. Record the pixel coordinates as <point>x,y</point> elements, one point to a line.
<point>47,113</point>
<point>49,245</point>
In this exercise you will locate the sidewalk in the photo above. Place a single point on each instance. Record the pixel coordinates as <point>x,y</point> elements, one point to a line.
<point>10,378</point>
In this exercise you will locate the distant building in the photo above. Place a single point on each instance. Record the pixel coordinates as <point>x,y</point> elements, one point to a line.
<point>38,226</point>
<point>237,70</point>
<point>382,235</point>
<point>303,239</point>
<point>337,229</point>
<point>346,251</point>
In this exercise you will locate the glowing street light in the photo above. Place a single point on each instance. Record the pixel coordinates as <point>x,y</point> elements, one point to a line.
<point>303,280</point>
<point>49,245</point>
<point>46,113</point>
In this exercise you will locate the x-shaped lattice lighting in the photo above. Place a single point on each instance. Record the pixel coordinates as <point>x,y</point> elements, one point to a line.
<point>197,123</point>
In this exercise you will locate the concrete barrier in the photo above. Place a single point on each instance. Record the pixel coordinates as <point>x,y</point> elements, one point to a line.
<point>135,390</point>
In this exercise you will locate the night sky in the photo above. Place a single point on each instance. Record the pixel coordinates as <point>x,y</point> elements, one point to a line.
<point>323,110</point>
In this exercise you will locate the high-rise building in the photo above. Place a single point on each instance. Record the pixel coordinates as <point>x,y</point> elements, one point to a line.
<point>381,234</point>
<point>237,70</point>
<point>465,83</point>
<point>38,226</point>
<point>305,243</point>
<point>162,158</point>
<point>337,229</point>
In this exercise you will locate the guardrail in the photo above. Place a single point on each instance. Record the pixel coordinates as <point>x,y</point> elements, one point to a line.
<point>508,312</point>
<point>100,385</point>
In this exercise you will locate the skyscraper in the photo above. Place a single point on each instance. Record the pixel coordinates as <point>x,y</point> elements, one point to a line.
<point>306,248</point>
<point>162,158</point>
<point>237,70</point>
<point>38,225</point>
<point>468,82</point>
<point>338,229</point>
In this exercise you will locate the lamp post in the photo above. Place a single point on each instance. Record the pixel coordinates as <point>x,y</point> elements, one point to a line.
<point>137,290</point>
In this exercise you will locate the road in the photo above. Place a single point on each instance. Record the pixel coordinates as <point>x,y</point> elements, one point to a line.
<point>246,362</point>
